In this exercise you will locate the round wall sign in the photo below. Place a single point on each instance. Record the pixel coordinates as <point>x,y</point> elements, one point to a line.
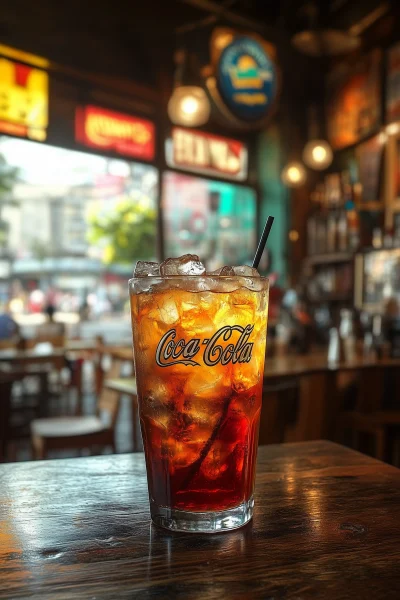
<point>247,79</point>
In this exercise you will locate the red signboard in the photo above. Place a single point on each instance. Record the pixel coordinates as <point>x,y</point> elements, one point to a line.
<point>208,154</point>
<point>109,130</point>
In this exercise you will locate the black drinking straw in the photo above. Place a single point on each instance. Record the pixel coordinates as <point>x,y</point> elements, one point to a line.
<point>263,241</point>
<point>195,467</point>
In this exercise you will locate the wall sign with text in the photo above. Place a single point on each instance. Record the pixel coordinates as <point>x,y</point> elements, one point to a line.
<point>108,130</point>
<point>24,93</point>
<point>246,76</point>
<point>207,154</point>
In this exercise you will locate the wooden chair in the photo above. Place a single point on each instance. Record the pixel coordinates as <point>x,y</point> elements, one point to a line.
<point>369,418</point>
<point>79,432</point>
<point>279,398</point>
<point>6,382</point>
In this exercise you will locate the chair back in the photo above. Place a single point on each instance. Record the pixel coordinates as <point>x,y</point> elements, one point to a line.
<point>6,382</point>
<point>109,400</point>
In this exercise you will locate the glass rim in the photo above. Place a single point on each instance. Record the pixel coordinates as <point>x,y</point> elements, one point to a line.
<point>221,277</point>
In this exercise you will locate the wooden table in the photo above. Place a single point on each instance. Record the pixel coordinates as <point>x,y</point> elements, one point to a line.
<point>55,356</point>
<point>80,345</point>
<point>326,525</point>
<point>124,353</point>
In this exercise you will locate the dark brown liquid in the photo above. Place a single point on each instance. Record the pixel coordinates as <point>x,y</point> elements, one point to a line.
<point>218,479</point>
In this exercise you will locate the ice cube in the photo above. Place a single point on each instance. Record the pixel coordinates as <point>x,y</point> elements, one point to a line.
<point>146,269</point>
<point>225,285</point>
<point>196,284</point>
<point>165,313</point>
<point>223,272</point>
<point>254,284</point>
<point>246,271</point>
<point>189,264</point>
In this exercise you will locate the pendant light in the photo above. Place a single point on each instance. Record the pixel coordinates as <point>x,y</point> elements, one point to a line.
<point>317,153</point>
<point>294,174</point>
<point>189,104</point>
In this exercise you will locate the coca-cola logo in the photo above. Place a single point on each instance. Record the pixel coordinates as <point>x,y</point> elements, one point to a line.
<point>171,351</point>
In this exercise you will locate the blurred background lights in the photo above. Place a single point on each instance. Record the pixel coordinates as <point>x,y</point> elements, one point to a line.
<point>294,174</point>
<point>318,154</point>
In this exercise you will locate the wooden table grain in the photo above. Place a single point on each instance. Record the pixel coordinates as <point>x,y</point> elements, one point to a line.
<point>326,525</point>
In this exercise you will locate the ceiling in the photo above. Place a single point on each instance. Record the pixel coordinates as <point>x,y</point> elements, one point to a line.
<point>133,39</point>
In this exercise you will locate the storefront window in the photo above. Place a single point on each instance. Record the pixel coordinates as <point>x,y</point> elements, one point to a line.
<point>72,225</point>
<point>213,219</point>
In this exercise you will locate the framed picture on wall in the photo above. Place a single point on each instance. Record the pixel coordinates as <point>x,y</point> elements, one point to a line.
<point>393,84</point>
<point>370,156</point>
<point>354,108</point>
<point>392,179</point>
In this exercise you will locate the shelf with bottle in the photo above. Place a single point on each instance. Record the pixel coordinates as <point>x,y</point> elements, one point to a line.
<point>330,259</point>
<point>332,298</point>
<point>333,228</point>
<point>332,283</point>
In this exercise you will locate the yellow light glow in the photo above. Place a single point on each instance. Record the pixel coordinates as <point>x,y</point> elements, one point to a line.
<point>393,128</point>
<point>293,235</point>
<point>223,40</point>
<point>319,154</point>
<point>189,105</point>
<point>294,174</point>
<point>382,137</point>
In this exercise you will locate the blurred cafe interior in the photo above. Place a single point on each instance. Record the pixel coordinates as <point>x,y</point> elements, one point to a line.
<point>177,129</point>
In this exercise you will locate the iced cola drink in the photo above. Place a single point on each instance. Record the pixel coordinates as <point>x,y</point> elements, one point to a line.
<point>199,346</point>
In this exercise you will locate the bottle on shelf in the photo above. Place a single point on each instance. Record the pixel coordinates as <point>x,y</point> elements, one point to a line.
<point>353,226</point>
<point>343,241</point>
<point>388,239</point>
<point>377,238</point>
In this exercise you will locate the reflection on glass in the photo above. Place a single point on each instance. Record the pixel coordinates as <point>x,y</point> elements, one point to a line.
<point>215,220</point>
<point>71,226</point>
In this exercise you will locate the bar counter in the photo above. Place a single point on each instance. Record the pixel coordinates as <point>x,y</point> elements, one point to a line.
<point>289,365</point>
<point>317,362</point>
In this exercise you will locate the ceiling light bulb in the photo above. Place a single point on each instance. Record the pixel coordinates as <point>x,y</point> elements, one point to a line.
<point>317,154</point>
<point>294,174</point>
<point>189,105</point>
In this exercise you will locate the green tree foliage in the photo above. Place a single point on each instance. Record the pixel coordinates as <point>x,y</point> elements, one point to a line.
<point>8,176</point>
<point>127,233</point>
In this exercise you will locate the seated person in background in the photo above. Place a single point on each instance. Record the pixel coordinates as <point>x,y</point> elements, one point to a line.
<point>50,328</point>
<point>8,327</point>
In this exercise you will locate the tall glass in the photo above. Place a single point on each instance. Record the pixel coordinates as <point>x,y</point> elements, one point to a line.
<point>199,347</point>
